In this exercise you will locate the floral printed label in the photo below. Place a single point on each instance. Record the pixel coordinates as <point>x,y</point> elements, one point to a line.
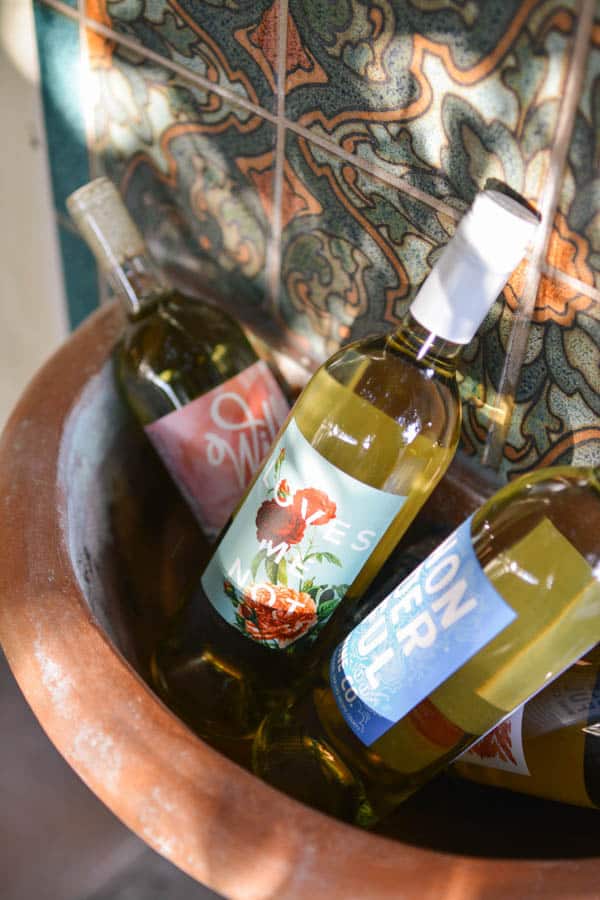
<point>501,748</point>
<point>300,539</point>
<point>213,445</point>
<point>424,630</point>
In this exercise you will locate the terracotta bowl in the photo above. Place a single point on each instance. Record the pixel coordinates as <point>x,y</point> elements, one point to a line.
<point>96,548</point>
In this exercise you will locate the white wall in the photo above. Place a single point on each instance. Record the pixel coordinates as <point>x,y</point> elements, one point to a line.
<point>32,305</point>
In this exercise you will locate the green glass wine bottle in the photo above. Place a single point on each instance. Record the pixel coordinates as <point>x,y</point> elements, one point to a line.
<point>365,444</point>
<point>506,603</point>
<point>209,405</point>
<point>550,747</point>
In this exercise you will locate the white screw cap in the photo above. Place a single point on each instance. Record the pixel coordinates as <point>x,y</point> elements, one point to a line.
<point>490,241</point>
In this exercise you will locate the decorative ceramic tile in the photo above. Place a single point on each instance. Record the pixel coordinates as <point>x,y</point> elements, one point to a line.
<point>195,171</point>
<point>556,415</point>
<point>354,249</point>
<point>61,77</point>
<point>575,244</point>
<point>444,94</point>
<point>231,43</point>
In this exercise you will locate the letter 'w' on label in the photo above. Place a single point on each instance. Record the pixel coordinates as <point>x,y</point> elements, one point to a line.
<point>302,555</point>
<point>213,445</point>
<point>432,624</point>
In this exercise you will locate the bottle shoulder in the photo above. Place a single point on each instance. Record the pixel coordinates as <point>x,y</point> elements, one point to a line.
<point>389,379</point>
<point>566,496</point>
<point>189,318</point>
<point>179,327</point>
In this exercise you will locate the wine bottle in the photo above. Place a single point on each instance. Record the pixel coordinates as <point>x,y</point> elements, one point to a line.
<point>550,747</point>
<point>506,603</point>
<point>208,404</point>
<point>365,444</point>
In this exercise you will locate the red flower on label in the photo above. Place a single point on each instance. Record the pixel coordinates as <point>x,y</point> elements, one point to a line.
<point>277,612</point>
<point>310,501</point>
<point>279,524</point>
<point>283,490</point>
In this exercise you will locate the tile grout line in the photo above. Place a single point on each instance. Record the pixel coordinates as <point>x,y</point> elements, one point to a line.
<point>586,289</point>
<point>274,270</point>
<point>376,171</point>
<point>519,334</point>
<point>59,7</point>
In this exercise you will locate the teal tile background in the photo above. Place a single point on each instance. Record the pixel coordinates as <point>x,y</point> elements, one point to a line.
<point>61,80</point>
<point>80,274</point>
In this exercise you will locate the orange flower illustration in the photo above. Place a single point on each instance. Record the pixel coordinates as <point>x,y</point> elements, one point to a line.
<point>277,612</point>
<point>308,501</point>
<point>557,300</point>
<point>283,490</point>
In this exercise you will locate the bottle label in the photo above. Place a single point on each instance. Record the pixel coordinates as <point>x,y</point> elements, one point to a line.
<point>501,748</point>
<point>426,629</point>
<point>213,445</point>
<point>301,537</point>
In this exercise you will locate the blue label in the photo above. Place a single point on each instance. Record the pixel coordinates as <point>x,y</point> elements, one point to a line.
<point>426,629</point>
<point>302,535</point>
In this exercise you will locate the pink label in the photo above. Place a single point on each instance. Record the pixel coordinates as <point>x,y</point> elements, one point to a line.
<point>213,445</point>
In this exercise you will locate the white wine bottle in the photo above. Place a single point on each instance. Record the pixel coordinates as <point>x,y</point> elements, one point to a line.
<point>507,602</point>
<point>550,747</point>
<point>365,444</point>
<point>209,405</point>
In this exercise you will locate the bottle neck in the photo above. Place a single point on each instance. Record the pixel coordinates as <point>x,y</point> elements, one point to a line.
<point>426,347</point>
<point>138,284</point>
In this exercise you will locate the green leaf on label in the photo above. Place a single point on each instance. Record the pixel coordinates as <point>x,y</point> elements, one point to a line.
<point>327,608</point>
<point>323,556</point>
<point>330,558</point>
<point>256,562</point>
<point>307,586</point>
<point>282,572</point>
<point>272,570</point>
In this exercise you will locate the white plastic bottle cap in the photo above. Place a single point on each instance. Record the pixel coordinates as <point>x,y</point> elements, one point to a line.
<point>488,244</point>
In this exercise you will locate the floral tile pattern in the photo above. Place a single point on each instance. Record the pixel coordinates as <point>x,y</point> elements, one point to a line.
<point>444,94</point>
<point>231,43</point>
<point>575,244</point>
<point>195,171</point>
<point>354,249</point>
<point>556,417</point>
